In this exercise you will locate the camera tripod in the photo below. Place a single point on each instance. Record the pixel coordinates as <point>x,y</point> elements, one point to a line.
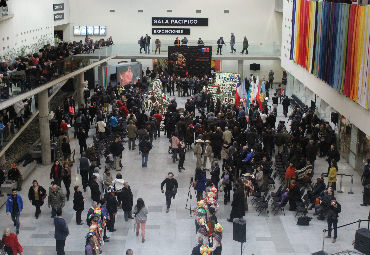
<point>190,197</point>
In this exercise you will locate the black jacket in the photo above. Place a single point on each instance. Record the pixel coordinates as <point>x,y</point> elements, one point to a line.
<point>116,149</point>
<point>78,201</point>
<point>56,174</point>
<point>145,146</point>
<point>112,203</point>
<point>238,207</point>
<point>171,185</point>
<point>196,250</point>
<point>334,211</point>
<point>127,199</point>
<point>42,194</point>
<point>95,192</point>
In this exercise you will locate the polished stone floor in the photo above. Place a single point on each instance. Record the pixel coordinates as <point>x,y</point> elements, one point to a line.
<point>174,233</point>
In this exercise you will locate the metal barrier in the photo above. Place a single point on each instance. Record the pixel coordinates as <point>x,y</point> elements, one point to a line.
<point>348,224</point>
<point>341,182</point>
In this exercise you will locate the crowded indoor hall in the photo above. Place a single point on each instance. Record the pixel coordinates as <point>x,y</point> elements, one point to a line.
<point>172,128</point>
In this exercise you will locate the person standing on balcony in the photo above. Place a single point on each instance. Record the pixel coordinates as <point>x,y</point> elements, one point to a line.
<point>232,43</point>
<point>184,41</point>
<point>245,45</point>
<point>220,42</point>
<point>157,46</point>
<point>147,43</point>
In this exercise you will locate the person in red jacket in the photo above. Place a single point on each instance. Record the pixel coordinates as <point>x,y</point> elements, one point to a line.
<point>11,240</point>
<point>158,118</point>
<point>289,174</point>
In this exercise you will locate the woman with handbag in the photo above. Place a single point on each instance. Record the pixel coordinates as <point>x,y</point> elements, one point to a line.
<point>36,195</point>
<point>141,216</point>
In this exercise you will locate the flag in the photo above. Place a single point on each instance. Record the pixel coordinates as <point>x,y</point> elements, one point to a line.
<point>258,97</point>
<point>240,92</point>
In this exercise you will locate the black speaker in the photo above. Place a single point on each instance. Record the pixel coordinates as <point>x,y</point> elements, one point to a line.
<point>239,230</point>
<point>362,240</point>
<point>255,67</point>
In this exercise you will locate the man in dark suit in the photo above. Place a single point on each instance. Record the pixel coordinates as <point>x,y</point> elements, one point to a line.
<point>61,232</point>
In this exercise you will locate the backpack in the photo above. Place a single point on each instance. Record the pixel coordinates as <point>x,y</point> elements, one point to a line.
<point>304,221</point>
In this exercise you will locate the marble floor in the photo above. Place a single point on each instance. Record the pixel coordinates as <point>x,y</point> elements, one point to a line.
<point>174,233</point>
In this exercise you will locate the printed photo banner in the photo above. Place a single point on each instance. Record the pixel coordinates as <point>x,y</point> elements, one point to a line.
<point>332,41</point>
<point>224,87</point>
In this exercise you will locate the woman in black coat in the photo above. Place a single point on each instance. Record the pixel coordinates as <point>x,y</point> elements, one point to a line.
<point>78,204</point>
<point>36,195</point>
<point>237,206</point>
<point>56,173</point>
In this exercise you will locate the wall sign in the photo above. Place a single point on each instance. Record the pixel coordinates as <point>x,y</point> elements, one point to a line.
<point>171,21</point>
<point>58,16</point>
<point>58,7</point>
<point>171,31</point>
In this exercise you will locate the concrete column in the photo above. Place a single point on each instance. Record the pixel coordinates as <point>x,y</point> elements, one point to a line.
<point>44,127</point>
<point>240,68</point>
<point>79,84</point>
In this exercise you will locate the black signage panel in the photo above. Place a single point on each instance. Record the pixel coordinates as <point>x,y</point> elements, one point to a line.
<point>171,31</point>
<point>171,21</point>
<point>58,7</point>
<point>58,16</point>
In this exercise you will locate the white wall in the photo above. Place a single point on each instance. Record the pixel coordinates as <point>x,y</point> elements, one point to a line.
<point>355,113</point>
<point>65,11</point>
<point>254,18</point>
<point>31,25</point>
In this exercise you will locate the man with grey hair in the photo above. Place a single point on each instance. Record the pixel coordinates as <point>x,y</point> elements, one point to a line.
<point>129,252</point>
<point>56,199</point>
<point>196,249</point>
<point>126,199</point>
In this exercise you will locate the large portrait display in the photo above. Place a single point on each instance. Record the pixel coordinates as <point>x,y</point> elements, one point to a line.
<point>128,74</point>
<point>189,60</point>
<point>224,87</point>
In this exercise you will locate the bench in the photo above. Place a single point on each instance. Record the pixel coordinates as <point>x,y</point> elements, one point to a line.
<point>6,188</point>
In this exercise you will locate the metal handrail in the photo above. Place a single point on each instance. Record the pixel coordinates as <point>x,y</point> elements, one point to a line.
<point>345,225</point>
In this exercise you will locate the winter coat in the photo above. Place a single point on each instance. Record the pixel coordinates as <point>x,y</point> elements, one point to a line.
<point>365,178</point>
<point>42,194</point>
<point>12,242</point>
<point>127,199</point>
<point>10,201</point>
<point>131,131</point>
<point>78,201</point>
<point>227,136</point>
<point>238,204</point>
<point>333,212</point>
<point>201,183</point>
<point>61,229</point>
<point>107,180</point>
<point>208,151</point>
<point>332,177</point>
<point>56,200</point>
<point>142,215</point>
<point>95,191</point>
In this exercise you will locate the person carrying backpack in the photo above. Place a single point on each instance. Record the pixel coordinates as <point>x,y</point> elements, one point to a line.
<point>144,147</point>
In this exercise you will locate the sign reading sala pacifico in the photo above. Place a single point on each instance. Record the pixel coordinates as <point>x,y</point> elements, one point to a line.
<point>172,21</point>
<point>171,31</point>
<point>58,7</point>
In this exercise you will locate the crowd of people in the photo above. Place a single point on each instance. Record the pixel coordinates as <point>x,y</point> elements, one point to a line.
<point>30,71</point>
<point>236,147</point>
<point>144,43</point>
